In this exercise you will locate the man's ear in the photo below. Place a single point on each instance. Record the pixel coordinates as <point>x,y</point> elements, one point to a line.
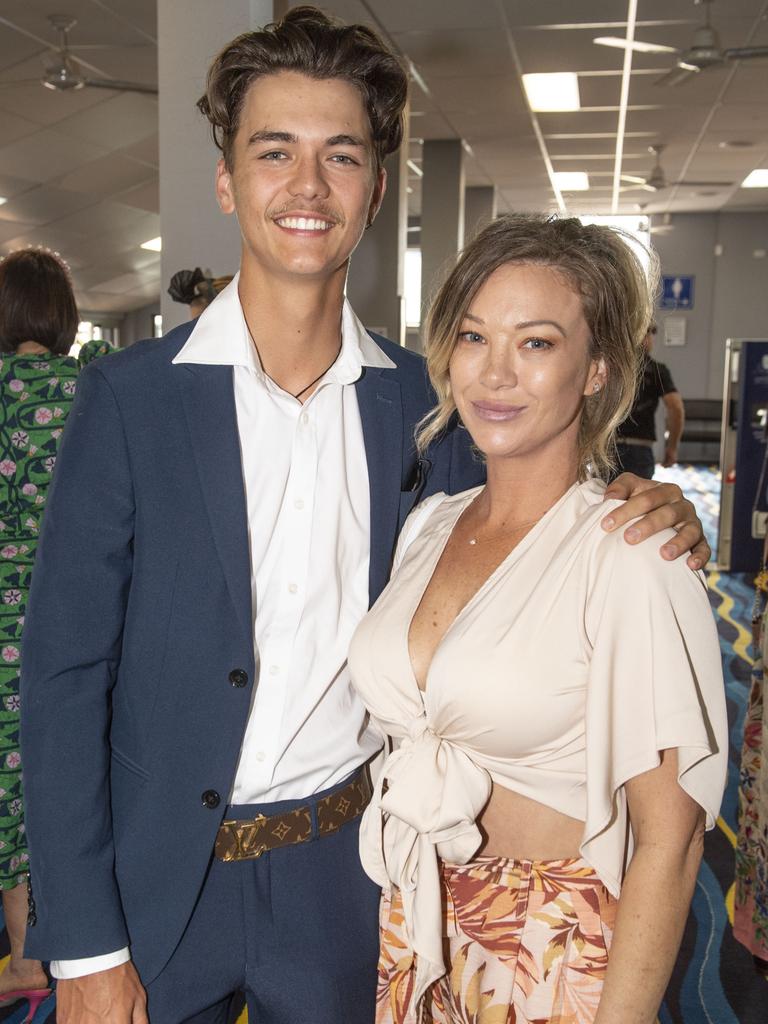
<point>224,191</point>
<point>377,198</point>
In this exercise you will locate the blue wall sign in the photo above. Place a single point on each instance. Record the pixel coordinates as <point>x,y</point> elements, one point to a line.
<point>677,292</point>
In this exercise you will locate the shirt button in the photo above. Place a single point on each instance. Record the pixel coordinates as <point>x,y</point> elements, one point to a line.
<point>299,503</point>
<point>211,799</point>
<point>260,755</point>
<point>292,588</point>
<point>238,678</point>
<point>304,419</point>
<point>274,670</point>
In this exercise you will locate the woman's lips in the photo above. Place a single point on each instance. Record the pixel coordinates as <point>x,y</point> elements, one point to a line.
<point>497,410</point>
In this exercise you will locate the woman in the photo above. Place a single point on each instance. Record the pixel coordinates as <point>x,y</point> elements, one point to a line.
<point>38,324</point>
<point>554,695</point>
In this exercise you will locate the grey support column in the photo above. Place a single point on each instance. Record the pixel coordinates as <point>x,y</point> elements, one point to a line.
<point>479,209</point>
<point>442,211</point>
<point>375,286</point>
<point>194,231</point>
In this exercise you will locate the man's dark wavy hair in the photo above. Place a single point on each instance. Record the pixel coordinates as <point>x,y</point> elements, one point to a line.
<point>307,41</point>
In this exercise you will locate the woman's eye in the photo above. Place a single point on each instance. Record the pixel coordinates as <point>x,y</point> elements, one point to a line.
<point>538,344</point>
<point>472,336</point>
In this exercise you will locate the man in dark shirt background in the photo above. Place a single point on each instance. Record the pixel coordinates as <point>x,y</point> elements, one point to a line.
<point>637,434</point>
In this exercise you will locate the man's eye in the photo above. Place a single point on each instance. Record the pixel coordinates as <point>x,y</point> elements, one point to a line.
<point>274,154</point>
<point>343,158</point>
<point>472,336</point>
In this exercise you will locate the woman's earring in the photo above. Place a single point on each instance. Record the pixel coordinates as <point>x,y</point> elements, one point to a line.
<point>596,387</point>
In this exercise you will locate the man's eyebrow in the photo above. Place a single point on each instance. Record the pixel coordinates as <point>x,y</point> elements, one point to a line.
<point>345,140</point>
<point>268,136</point>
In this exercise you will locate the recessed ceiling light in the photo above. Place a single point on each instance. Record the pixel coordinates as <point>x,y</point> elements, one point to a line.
<point>559,91</point>
<point>3,200</point>
<point>571,181</point>
<point>757,179</point>
<point>154,244</point>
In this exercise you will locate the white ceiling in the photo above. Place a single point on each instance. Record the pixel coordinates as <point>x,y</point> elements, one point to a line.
<point>80,170</point>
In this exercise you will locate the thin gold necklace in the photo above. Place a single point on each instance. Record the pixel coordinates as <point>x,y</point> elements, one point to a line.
<point>512,529</point>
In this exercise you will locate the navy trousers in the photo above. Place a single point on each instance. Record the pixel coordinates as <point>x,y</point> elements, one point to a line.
<point>297,929</point>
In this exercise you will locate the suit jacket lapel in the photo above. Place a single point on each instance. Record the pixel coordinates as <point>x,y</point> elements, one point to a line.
<point>381,413</point>
<point>209,404</point>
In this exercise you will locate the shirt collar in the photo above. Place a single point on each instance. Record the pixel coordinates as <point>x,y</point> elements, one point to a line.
<point>221,338</point>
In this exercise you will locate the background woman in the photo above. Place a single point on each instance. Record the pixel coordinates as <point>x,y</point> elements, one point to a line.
<point>554,695</point>
<point>38,324</point>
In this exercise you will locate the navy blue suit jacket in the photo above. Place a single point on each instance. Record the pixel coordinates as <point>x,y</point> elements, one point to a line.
<point>140,608</point>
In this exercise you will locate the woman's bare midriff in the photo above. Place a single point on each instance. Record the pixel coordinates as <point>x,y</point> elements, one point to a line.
<point>519,828</point>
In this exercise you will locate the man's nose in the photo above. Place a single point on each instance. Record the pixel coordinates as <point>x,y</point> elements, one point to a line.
<point>308,179</point>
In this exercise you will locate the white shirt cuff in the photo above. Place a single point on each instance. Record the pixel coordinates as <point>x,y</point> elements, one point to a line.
<point>66,969</point>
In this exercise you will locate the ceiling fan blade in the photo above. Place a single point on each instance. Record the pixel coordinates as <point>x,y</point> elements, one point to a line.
<point>746,53</point>
<point>676,76</point>
<point>20,81</point>
<point>705,184</point>
<point>633,178</point>
<point>637,45</point>
<point>118,86</point>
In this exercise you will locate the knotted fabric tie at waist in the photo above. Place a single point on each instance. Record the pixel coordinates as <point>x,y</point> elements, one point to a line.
<point>434,793</point>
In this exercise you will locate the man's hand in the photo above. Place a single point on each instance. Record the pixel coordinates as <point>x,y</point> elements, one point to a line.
<point>670,456</point>
<point>660,506</point>
<point>115,996</point>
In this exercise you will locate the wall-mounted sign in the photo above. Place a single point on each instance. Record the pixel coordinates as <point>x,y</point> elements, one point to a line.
<point>674,330</point>
<point>677,291</point>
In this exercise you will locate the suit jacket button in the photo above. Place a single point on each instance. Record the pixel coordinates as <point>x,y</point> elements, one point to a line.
<point>211,799</point>
<point>238,678</point>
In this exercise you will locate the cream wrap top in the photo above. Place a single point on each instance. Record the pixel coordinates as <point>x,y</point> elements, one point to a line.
<point>577,661</point>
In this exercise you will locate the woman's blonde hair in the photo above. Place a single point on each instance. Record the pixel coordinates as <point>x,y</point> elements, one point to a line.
<point>617,301</point>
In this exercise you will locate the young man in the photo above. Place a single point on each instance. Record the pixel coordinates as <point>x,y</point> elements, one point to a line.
<point>225,509</point>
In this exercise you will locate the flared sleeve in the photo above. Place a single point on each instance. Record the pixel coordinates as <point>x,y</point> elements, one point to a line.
<point>655,683</point>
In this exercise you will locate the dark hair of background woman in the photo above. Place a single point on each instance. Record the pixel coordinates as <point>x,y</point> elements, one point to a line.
<point>36,302</point>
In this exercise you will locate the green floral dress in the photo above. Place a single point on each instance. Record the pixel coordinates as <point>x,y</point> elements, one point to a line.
<point>36,393</point>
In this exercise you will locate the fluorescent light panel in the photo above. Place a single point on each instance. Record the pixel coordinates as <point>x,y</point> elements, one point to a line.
<point>637,45</point>
<point>559,91</point>
<point>154,244</point>
<point>3,200</point>
<point>756,179</point>
<point>572,181</point>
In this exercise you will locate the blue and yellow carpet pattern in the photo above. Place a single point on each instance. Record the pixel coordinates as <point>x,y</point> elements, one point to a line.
<point>714,981</point>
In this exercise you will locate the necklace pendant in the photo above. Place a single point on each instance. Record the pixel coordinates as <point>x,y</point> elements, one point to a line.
<point>473,540</point>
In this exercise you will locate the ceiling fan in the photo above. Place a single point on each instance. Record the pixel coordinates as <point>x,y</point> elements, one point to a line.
<point>65,73</point>
<point>704,52</point>
<point>657,180</point>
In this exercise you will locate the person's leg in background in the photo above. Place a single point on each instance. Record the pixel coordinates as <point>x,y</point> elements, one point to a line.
<point>635,458</point>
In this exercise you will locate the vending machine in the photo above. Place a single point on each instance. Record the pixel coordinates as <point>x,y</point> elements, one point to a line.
<point>742,455</point>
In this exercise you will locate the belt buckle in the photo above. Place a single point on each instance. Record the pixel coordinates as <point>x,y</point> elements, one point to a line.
<point>246,846</point>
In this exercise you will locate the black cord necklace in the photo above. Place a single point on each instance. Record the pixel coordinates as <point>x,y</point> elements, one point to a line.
<point>317,378</point>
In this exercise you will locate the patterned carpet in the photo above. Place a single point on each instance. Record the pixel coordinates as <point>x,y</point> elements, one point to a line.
<point>714,981</point>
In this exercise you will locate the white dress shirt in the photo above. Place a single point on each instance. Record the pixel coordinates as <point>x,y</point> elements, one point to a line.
<point>308,507</point>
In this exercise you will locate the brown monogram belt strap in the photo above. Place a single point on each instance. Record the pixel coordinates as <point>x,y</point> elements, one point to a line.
<point>248,839</point>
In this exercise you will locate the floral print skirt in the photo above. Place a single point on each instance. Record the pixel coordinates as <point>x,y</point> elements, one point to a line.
<point>526,942</point>
<point>16,557</point>
<point>750,922</point>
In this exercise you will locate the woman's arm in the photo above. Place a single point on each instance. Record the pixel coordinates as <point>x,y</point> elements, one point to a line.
<point>668,826</point>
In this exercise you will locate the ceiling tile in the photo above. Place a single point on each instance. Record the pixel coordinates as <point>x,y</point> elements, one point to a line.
<point>46,155</point>
<point>106,175</point>
<point>43,204</point>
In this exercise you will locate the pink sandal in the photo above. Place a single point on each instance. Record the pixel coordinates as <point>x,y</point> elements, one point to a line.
<point>34,996</point>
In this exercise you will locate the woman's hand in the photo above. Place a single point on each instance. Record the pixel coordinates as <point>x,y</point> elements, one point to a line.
<point>659,506</point>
